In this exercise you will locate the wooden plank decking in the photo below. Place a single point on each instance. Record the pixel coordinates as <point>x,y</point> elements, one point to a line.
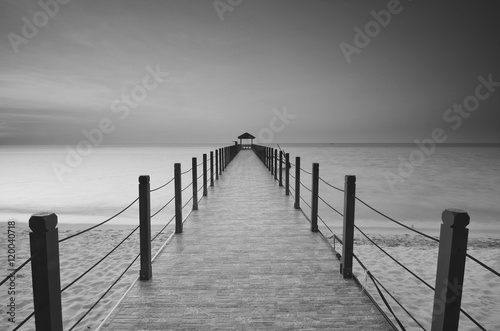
<point>246,261</point>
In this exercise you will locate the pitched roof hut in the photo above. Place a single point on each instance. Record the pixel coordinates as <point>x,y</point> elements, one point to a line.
<point>246,135</point>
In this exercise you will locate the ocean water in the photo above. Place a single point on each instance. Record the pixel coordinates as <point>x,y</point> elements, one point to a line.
<point>100,184</point>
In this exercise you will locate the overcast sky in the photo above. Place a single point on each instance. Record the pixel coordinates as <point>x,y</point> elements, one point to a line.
<point>234,68</point>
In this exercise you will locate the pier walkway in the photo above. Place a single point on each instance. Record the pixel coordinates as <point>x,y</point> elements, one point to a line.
<point>246,260</point>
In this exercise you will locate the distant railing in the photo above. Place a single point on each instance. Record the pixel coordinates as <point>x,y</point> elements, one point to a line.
<point>44,239</point>
<point>452,242</point>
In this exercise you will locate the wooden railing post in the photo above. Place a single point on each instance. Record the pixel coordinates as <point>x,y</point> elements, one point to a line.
<point>450,270</point>
<point>178,198</point>
<point>145,272</point>
<point>271,160</point>
<point>297,183</point>
<point>195,183</point>
<point>281,168</point>
<point>314,197</point>
<point>221,157</point>
<point>348,234</point>
<point>287,173</point>
<point>211,168</point>
<point>275,164</point>
<point>222,163</point>
<point>216,164</point>
<point>45,270</point>
<point>205,181</point>
<point>268,157</point>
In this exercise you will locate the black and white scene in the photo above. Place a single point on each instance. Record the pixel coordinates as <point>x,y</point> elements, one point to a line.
<point>249,165</point>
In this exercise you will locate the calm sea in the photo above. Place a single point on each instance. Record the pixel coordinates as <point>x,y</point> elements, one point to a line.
<point>412,190</point>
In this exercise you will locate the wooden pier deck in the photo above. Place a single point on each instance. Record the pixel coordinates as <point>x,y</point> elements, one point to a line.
<point>246,260</point>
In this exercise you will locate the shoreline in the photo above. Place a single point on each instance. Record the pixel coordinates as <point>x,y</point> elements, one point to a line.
<point>483,233</point>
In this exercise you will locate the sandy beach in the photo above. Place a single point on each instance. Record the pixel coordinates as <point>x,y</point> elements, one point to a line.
<point>76,256</point>
<point>481,296</point>
<point>481,293</point>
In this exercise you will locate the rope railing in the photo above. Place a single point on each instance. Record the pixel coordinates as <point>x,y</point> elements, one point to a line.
<point>98,262</point>
<point>394,259</point>
<point>97,225</point>
<point>427,236</point>
<point>52,248</point>
<point>307,172</point>
<point>15,271</point>
<point>415,275</point>
<point>307,188</point>
<point>162,229</point>
<point>373,278</point>
<point>332,186</point>
<point>106,292</point>
<point>399,223</point>
<point>301,198</point>
<point>270,158</point>
<point>321,219</point>
<point>165,205</point>
<point>162,186</point>
<point>187,186</point>
<point>331,207</point>
<point>24,321</point>
<point>187,202</point>
<point>483,265</point>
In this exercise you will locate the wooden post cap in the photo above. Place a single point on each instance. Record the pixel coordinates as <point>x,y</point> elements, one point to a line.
<point>455,218</point>
<point>144,179</point>
<point>43,222</point>
<point>350,178</point>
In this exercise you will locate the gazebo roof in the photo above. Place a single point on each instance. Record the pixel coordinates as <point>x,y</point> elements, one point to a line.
<point>246,135</point>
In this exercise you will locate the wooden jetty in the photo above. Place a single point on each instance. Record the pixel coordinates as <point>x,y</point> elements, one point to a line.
<point>247,257</point>
<point>246,260</point>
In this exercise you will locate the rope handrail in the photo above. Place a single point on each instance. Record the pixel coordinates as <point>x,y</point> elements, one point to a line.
<point>162,186</point>
<point>305,202</point>
<point>161,231</point>
<point>186,187</point>
<point>307,188</point>
<point>169,201</point>
<point>372,278</point>
<point>102,259</point>
<point>15,271</point>
<point>428,236</point>
<point>291,175</point>
<point>199,164</point>
<point>482,264</point>
<point>200,176</point>
<point>326,203</point>
<point>394,259</point>
<point>325,224</point>
<point>399,223</point>
<point>185,172</point>
<point>97,225</point>
<point>190,199</point>
<point>24,321</point>
<point>106,292</point>
<point>307,172</point>
<point>387,303</point>
<point>332,186</point>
